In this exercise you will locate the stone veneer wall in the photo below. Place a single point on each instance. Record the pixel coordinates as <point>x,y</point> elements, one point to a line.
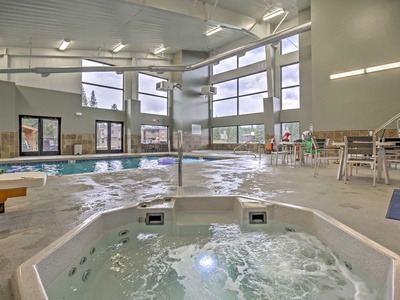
<point>338,136</point>
<point>68,140</point>
<point>135,146</point>
<point>9,144</point>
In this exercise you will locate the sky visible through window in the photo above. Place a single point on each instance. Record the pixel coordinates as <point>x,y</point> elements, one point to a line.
<point>239,96</point>
<point>102,89</point>
<point>290,87</point>
<point>234,62</point>
<point>290,44</point>
<point>152,100</point>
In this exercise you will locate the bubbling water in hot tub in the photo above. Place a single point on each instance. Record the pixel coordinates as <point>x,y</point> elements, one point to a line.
<point>217,261</point>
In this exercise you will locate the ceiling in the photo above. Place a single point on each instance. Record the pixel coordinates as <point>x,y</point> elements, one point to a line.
<point>143,25</point>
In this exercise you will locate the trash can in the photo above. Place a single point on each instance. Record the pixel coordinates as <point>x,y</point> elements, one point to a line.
<point>78,149</point>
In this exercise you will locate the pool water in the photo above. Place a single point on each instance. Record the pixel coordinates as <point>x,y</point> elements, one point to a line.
<point>217,261</point>
<point>67,167</point>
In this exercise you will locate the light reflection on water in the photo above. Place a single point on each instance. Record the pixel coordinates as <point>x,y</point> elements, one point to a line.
<point>221,261</point>
<point>93,166</point>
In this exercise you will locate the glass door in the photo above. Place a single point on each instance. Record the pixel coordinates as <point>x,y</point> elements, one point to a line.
<point>109,136</point>
<point>39,135</point>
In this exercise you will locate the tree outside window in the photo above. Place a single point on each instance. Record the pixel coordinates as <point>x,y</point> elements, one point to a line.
<point>102,89</point>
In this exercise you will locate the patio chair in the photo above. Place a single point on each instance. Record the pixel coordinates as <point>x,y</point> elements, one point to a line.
<point>360,150</point>
<point>285,151</point>
<point>393,152</point>
<point>322,153</point>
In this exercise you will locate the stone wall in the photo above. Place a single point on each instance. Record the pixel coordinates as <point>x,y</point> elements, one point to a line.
<point>87,141</point>
<point>9,144</point>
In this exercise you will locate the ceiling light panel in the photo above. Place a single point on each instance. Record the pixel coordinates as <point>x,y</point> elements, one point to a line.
<point>64,45</point>
<point>273,14</point>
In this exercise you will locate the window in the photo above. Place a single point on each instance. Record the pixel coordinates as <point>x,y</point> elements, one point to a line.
<point>252,57</point>
<point>290,92</point>
<point>102,89</point>
<point>231,63</point>
<point>225,65</point>
<point>251,133</point>
<point>152,100</point>
<point>151,134</point>
<point>290,44</point>
<point>225,135</point>
<point>238,134</point>
<point>240,96</point>
<point>293,128</point>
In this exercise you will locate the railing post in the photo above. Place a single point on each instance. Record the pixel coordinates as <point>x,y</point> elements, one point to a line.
<point>180,156</point>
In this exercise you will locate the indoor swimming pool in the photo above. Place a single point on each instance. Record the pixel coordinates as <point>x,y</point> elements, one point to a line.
<point>68,167</point>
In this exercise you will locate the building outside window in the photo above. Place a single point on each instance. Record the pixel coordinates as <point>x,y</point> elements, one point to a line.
<point>102,89</point>
<point>290,86</point>
<point>151,134</point>
<point>152,100</point>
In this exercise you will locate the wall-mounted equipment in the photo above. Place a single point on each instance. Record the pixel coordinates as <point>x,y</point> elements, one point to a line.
<point>164,86</point>
<point>209,90</point>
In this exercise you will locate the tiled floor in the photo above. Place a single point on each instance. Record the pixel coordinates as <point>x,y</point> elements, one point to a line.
<point>32,222</point>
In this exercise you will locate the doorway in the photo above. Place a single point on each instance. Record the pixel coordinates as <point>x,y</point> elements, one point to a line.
<point>109,137</point>
<point>39,135</point>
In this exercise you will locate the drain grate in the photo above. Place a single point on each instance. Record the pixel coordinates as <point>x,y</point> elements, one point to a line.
<point>155,219</point>
<point>259,217</point>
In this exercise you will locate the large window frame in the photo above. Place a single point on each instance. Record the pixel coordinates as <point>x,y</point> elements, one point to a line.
<point>290,85</point>
<point>109,141</point>
<point>290,44</point>
<point>235,98</point>
<point>239,61</point>
<point>109,86</point>
<point>150,96</point>
<point>237,134</point>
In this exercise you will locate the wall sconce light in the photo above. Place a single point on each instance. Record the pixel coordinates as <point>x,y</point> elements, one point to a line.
<point>78,113</point>
<point>383,67</point>
<point>347,74</point>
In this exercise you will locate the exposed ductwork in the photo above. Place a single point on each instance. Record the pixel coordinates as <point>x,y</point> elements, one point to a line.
<point>274,38</point>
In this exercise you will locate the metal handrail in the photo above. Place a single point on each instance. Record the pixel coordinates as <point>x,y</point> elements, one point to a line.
<point>245,143</point>
<point>180,156</point>
<point>396,117</point>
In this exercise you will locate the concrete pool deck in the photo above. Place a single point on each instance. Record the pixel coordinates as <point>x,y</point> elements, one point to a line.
<point>33,222</point>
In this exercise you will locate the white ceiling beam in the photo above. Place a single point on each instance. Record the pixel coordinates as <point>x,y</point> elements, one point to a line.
<point>220,16</point>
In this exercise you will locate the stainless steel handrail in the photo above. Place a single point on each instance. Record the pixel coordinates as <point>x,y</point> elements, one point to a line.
<point>248,152</point>
<point>180,156</point>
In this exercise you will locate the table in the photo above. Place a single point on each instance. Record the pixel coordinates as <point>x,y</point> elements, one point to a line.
<point>293,146</point>
<point>382,164</point>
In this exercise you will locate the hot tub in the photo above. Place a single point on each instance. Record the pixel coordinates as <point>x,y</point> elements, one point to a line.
<point>210,247</point>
